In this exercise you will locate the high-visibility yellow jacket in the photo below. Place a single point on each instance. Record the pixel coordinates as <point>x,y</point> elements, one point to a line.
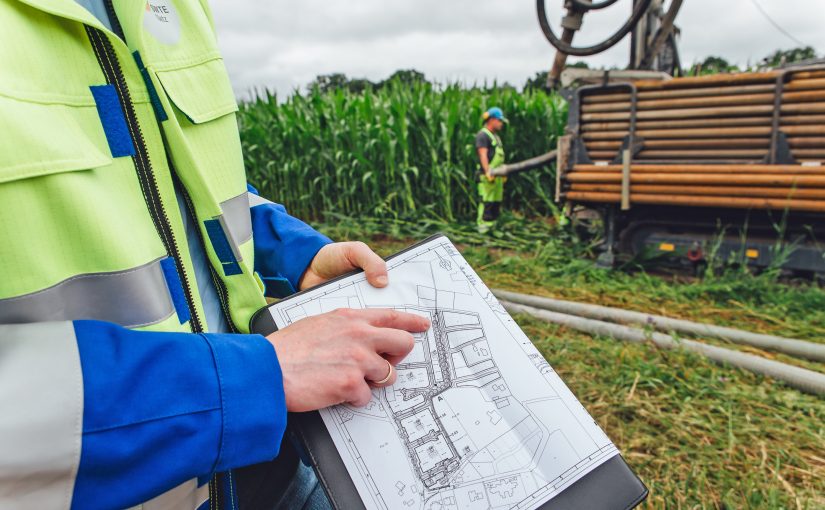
<point>112,392</point>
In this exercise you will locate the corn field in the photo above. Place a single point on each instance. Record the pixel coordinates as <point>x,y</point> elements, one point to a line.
<point>403,151</point>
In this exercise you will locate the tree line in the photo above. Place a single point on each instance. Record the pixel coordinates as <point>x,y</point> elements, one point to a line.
<point>710,65</point>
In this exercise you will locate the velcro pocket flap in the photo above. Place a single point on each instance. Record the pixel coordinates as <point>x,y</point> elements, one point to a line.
<point>48,138</point>
<point>202,92</point>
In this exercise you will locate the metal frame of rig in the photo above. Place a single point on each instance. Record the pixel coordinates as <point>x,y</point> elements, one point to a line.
<point>727,166</point>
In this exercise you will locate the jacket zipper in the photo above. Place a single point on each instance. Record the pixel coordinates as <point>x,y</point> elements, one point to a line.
<point>220,286</point>
<point>214,491</point>
<point>148,183</point>
<point>116,27</point>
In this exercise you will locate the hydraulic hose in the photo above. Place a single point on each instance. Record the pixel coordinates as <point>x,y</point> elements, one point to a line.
<point>527,164</point>
<point>638,11</point>
<point>799,348</point>
<point>799,378</point>
<point>585,6</point>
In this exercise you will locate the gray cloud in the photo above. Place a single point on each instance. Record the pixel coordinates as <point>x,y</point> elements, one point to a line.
<point>282,45</point>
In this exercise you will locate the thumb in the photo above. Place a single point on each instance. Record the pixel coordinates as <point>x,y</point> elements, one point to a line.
<point>360,255</point>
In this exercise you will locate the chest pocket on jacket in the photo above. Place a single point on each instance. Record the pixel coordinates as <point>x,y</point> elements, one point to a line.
<point>205,147</point>
<point>202,130</point>
<point>41,139</point>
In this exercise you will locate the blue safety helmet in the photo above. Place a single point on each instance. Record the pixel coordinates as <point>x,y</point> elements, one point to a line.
<point>495,113</point>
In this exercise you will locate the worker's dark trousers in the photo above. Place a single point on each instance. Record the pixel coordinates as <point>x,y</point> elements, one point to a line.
<point>285,483</point>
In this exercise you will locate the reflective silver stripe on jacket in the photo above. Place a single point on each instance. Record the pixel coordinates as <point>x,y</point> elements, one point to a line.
<point>236,222</point>
<point>186,496</point>
<point>133,297</point>
<point>41,415</point>
<point>256,200</point>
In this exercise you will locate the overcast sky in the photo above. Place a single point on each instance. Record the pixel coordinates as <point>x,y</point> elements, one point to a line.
<point>282,45</point>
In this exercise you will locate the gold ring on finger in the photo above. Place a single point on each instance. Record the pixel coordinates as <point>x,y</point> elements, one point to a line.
<point>390,370</point>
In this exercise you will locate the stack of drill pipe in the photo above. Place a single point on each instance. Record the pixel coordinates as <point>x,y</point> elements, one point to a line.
<point>705,142</point>
<point>717,118</point>
<point>791,187</point>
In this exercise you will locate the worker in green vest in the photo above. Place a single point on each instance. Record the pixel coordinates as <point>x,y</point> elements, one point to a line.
<point>134,255</point>
<point>490,156</point>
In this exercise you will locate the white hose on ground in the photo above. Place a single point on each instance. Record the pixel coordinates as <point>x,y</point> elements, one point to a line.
<point>799,378</point>
<point>792,346</point>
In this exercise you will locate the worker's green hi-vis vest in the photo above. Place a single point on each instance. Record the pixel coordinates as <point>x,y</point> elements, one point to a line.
<point>498,157</point>
<point>94,133</point>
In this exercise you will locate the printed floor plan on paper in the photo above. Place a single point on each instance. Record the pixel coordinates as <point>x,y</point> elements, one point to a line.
<point>477,419</point>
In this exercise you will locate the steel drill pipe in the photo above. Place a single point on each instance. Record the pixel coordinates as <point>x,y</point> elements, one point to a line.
<point>714,80</point>
<point>778,169</point>
<point>684,123</point>
<point>802,119</point>
<point>803,96</point>
<point>796,377</point>
<point>607,144</point>
<point>808,142</point>
<point>810,153</point>
<point>799,81</point>
<point>699,169</point>
<point>764,120</point>
<point>716,111</point>
<point>677,93</point>
<point>700,201</point>
<point>702,154</point>
<point>704,161</point>
<point>705,101</point>
<point>792,346</point>
<point>689,102</point>
<point>814,130</point>
<point>732,191</point>
<point>726,132</point>
<point>684,113</point>
<point>808,75</point>
<point>810,84</point>
<point>605,126</point>
<point>712,143</point>
<point>602,155</point>
<point>672,178</point>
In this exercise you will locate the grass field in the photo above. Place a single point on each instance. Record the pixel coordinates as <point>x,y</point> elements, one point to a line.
<point>699,435</point>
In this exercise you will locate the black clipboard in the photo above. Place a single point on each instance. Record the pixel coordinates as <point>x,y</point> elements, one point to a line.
<point>611,486</point>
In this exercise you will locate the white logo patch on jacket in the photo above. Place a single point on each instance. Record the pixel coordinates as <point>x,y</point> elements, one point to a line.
<point>161,20</point>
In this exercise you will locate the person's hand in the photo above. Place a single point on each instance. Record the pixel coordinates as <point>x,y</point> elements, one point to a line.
<point>338,258</point>
<point>332,358</point>
<point>490,177</point>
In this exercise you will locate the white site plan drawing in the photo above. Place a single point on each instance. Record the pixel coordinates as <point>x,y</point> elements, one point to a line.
<point>477,419</point>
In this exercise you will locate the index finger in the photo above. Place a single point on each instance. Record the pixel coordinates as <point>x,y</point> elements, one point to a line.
<point>395,319</point>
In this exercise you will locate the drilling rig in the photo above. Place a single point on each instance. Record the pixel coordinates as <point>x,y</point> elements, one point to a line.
<point>727,167</point>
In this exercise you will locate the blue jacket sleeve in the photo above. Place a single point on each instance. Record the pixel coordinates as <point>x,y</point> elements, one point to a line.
<point>163,408</point>
<point>284,246</point>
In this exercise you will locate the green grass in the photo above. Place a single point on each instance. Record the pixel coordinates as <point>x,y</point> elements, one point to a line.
<point>699,435</point>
